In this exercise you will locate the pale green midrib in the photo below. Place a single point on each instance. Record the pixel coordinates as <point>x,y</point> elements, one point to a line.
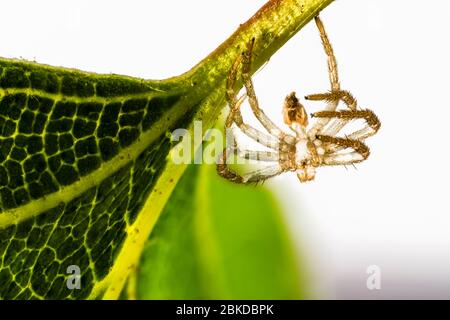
<point>67,193</point>
<point>205,112</point>
<point>77,99</point>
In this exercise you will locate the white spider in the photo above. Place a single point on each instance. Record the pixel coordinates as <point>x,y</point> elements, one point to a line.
<point>308,148</point>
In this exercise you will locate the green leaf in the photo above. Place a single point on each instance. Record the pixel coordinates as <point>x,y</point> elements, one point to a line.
<point>84,166</point>
<point>216,240</point>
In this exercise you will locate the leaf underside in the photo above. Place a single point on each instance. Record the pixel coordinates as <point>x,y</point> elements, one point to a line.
<point>84,166</point>
<point>58,127</point>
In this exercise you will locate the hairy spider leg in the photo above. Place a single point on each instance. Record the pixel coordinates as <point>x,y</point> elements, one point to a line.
<point>336,125</point>
<point>332,63</point>
<point>359,153</point>
<point>372,126</point>
<point>333,76</point>
<point>341,118</point>
<point>343,95</point>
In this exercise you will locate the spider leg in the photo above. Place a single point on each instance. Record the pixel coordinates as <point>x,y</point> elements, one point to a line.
<point>265,156</point>
<point>342,159</point>
<point>268,124</point>
<point>235,114</point>
<point>332,63</point>
<point>333,76</point>
<point>263,174</point>
<point>224,171</point>
<point>326,126</point>
<point>359,151</point>
<point>372,122</point>
<point>260,137</point>
<point>333,127</point>
<point>332,96</point>
<point>253,177</point>
<point>260,155</point>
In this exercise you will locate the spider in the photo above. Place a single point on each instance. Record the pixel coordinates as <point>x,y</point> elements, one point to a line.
<point>307,147</point>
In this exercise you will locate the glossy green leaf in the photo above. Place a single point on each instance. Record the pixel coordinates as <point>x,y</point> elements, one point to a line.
<point>216,240</point>
<point>84,166</point>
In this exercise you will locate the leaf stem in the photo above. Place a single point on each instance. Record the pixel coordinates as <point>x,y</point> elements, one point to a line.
<point>272,26</point>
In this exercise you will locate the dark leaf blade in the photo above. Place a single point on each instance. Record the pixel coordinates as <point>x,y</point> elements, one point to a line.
<point>47,163</point>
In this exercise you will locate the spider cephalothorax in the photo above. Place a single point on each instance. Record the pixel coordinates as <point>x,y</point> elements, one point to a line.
<point>308,146</point>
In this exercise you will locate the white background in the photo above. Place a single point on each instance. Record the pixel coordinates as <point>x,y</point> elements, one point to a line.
<point>393,211</point>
